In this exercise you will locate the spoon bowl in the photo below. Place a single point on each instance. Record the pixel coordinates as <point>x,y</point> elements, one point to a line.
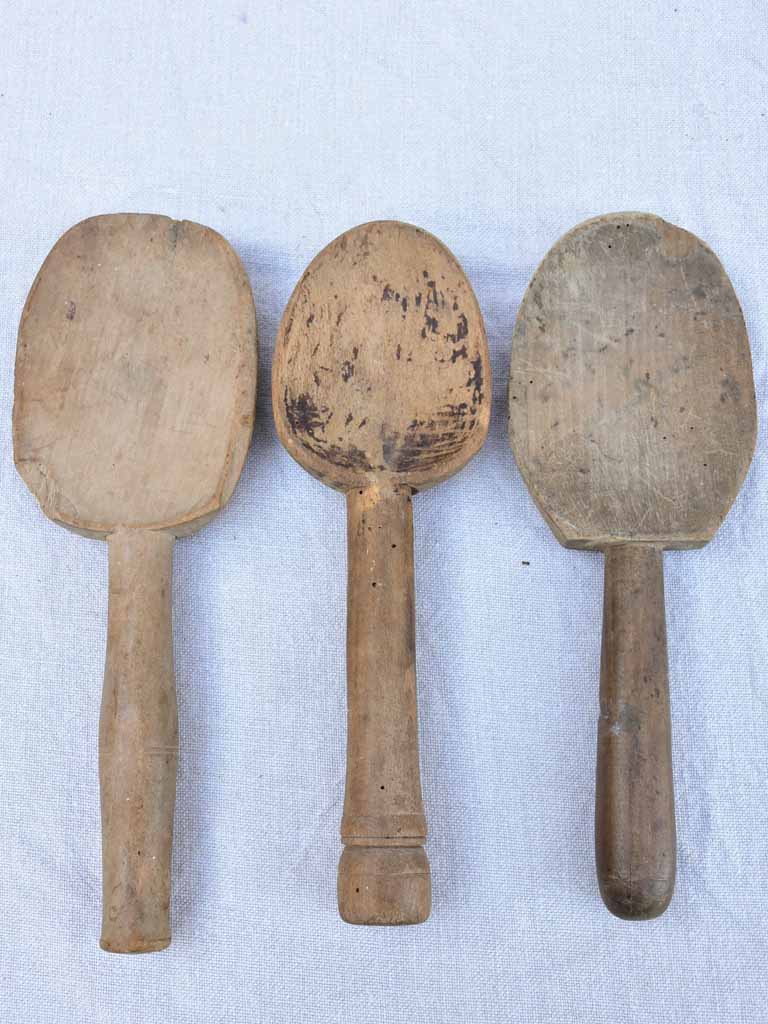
<point>381,369</point>
<point>632,418</point>
<point>134,400</point>
<point>380,388</point>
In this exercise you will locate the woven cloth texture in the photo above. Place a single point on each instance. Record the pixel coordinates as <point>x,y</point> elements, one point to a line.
<point>496,126</point>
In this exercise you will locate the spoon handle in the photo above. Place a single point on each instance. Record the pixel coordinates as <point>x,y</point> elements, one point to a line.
<point>138,745</point>
<point>384,872</point>
<point>635,809</point>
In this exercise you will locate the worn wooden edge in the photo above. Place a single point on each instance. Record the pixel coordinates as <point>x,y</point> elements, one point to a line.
<point>390,886</point>
<point>240,439</point>
<point>417,482</point>
<point>608,540</point>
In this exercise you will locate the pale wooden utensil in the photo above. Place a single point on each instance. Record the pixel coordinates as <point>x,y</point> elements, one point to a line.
<point>632,419</point>
<point>380,388</point>
<point>134,405</point>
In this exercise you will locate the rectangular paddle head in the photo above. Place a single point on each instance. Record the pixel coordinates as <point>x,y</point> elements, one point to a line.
<point>631,398</point>
<point>135,376</point>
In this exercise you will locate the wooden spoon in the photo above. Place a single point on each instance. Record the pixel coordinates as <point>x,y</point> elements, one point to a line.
<point>134,404</point>
<point>380,388</point>
<point>632,419</point>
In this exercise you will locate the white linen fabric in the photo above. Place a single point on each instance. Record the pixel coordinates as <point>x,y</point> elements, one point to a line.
<point>496,126</point>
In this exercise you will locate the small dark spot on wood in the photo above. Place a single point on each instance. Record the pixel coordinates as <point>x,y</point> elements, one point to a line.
<point>310,319</point>
<point>71,310</point>
<point>349,419</point>
<point>730,390</point>
<point>347,370</point>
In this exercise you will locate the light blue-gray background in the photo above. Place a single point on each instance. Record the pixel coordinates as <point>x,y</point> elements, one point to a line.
<point>497,126</point>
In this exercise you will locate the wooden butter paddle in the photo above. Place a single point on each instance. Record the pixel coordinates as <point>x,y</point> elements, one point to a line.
<point>134,405</point>
<point>380,388</point>
<point>632,419</point>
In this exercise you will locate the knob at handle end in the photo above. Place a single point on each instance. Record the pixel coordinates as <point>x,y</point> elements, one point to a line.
<point>384,885</point>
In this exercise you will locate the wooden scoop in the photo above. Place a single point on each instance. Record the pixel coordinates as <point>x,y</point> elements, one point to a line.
<point>380,388</point>
<point>632,419</point>
<point>135,393</point>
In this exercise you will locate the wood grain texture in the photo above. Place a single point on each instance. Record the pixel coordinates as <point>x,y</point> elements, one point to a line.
<point>635,809</point>
<point>135,376</point>
<point>380,371</point>
<point>134,402</point>
<point>631,400</point>
<point>632,419</point>
<point>382,803</point>
<point>381,387</point>
<point>138,745</point>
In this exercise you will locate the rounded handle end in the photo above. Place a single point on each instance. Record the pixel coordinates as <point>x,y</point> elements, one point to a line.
<point>640,899</point>
<point>384,885</point>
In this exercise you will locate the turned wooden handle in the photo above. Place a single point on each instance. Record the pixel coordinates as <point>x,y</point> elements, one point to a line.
<point>384,872</point>
<point>138,745</point>
<point>635,809</point>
